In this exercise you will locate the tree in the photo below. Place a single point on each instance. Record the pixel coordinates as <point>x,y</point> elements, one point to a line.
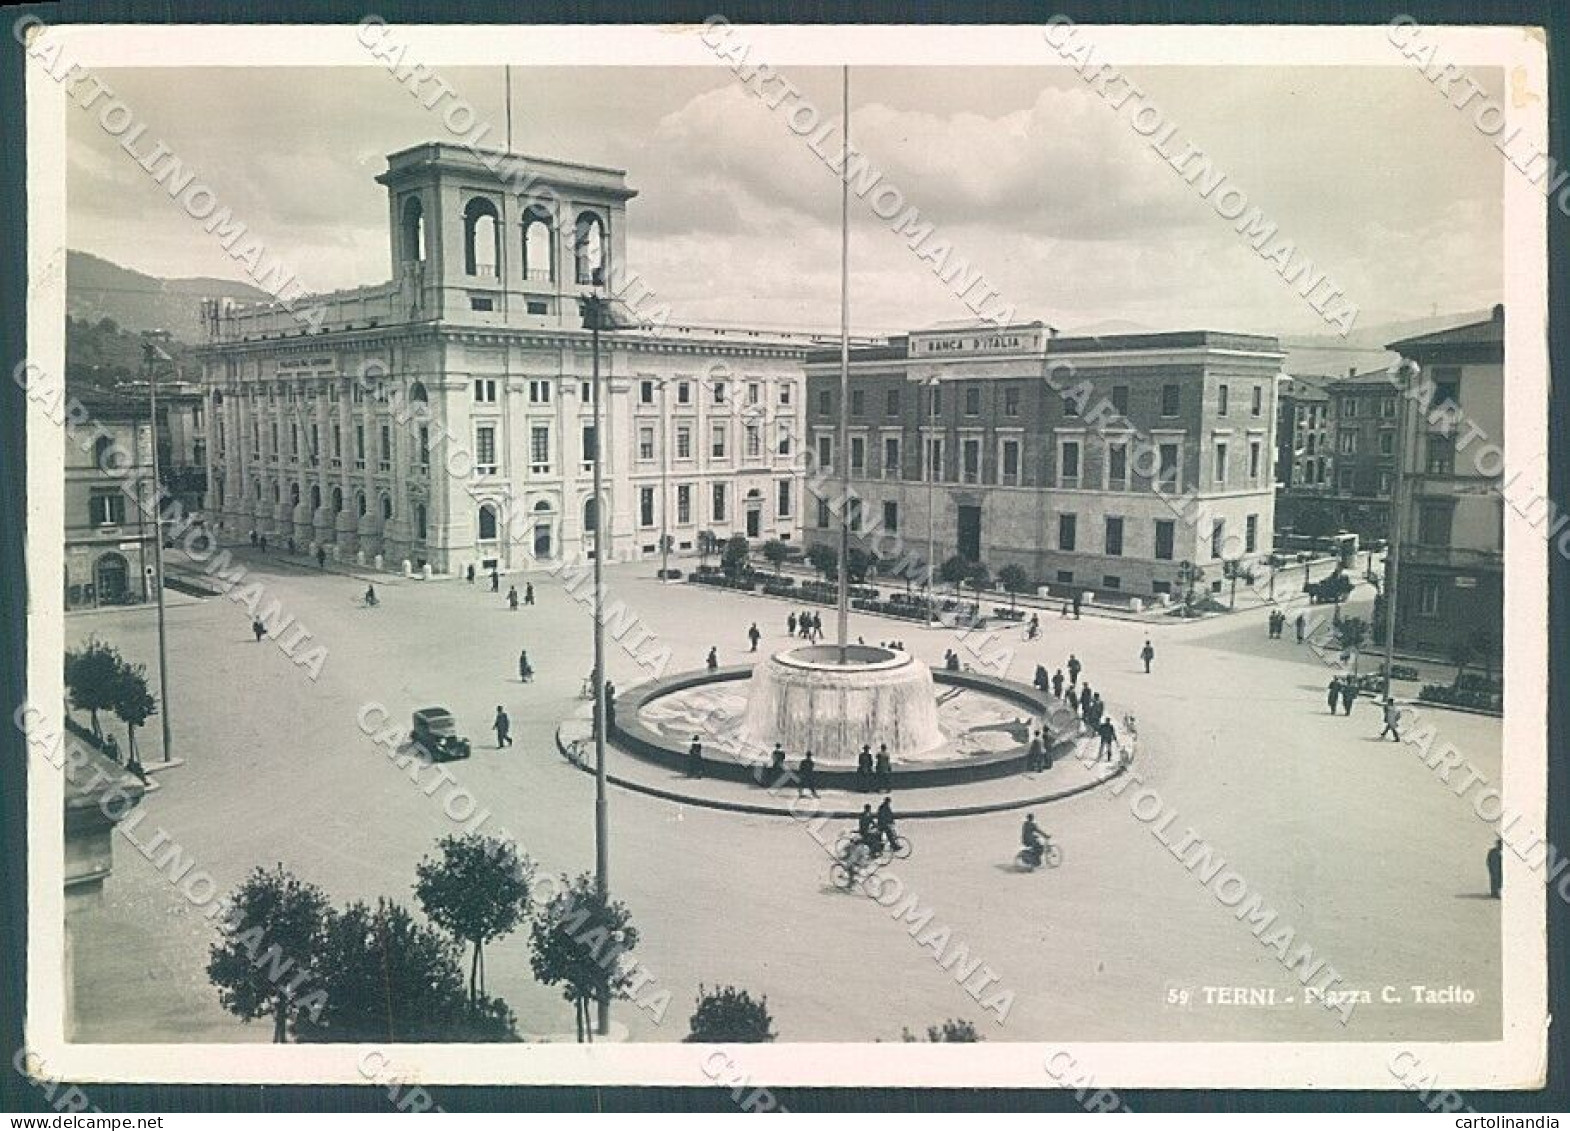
<point>267,954</point>
<point>1350,633</point>
<point>91,679</point>
<point>1461,654</point>
<point>825,559</point>
<point>857,563</point>
<point>954,571</point>
<point>478,890</point>
<point>707,546</point>
<point>133,703</point>
<point>775,552</point>
<point>727,1015</point>
<point>578,942</point>
<point>979,577</point>
<point>952,1031</point>
<point>1016,581</point>
<point>1486,646</point>
<point>387,977</point>
<point>734,558</point>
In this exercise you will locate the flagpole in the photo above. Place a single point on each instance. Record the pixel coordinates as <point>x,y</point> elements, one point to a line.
<point>844,429</point>
<point>507,70</point>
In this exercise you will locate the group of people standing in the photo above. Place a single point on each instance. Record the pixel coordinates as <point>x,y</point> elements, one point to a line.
<point>873,771</point>
<point>1278,623</point>
<point>807,624</point>
<point>1086,703</point>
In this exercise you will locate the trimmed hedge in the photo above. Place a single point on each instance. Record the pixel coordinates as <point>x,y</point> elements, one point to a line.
<point>1491,701</point>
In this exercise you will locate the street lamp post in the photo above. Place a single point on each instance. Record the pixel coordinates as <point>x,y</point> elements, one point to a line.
<point>665,487</point>
<point>1393,554</point>
<point>151,356</point>
<point>929,456</point>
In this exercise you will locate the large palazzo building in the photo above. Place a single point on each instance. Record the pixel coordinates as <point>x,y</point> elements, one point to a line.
<point>1013,446</point>
<point>445,417</point>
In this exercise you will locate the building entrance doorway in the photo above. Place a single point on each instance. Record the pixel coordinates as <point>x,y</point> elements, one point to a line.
<point>112,577</point>
<point>969,522</point>
<point>754,522</point>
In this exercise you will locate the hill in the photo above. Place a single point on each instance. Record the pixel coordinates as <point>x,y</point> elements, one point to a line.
<point>96,289</point>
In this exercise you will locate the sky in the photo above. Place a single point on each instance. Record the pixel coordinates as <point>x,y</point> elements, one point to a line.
<point>1034,179</point>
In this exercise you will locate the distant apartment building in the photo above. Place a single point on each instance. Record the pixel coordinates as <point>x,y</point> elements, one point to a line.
<point>182,438</point>
<point>109,551</point>
<point>1451,568</point>
<point>986,441</point>
<point>1302,435</point>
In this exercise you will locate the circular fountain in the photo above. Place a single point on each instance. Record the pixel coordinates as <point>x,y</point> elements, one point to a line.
<point>832,701</point>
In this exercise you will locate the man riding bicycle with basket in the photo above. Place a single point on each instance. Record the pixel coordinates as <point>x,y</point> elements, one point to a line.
<point>1033,839</point>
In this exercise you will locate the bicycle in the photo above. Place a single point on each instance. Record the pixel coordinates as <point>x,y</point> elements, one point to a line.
<point>902,845</point>
<point>1048,855</point>
<point>854,860</point>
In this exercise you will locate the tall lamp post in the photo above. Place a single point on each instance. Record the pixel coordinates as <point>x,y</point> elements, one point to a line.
<point>930,458</point>
<point>599,314</point>
<point>1405,369</point>
<point>152,354</point>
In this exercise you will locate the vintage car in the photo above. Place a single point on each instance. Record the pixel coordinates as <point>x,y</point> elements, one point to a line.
<point>436,733</point>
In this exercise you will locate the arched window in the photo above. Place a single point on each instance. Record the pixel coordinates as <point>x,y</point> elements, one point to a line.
<point>104,457</point>
<point>337,500</point>
<point>418,394</point>
<point>316,498</point>
<point>481,238</point>
<point>413,230</point>
<point>294,494</point>
<point>276,496</point>
<point>537,244</point>
<point>256,490</point>
<point>487,522</point>
<point>386,508</point>
<point>359,502</point>
<point>419,521</point>
<point>591,515</point>
<point>589,245</point>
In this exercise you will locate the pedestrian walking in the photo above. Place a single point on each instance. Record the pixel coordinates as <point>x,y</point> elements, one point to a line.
<point>1057,683</point>
<point>1109,738</point>
<point>1302,624</point>
<point>1392,720</point>
<point>528,593</point>
<point>1348,694</point>
<point>263,543</point>
<point>259,629</point>
<point>1074,668</point>
<point>253,537</point>
<point>512,597</point>
<point>1495,860</point>
<point>470,573</point>
<point>1033,630</point>
<point>1333,693</point>
<point>790,624</point>
<point>1033,753</point>
<point>864,769</point>
<point>1147,653</point>
<point>806,775</point>
<point>695,758</point>
<point>321,558</point>
<point>1039,680</point>
<point>525,671</point>
<point>1064,613</point>
<point>1078,598</point>
<point>1046,748</point>
<point>370,597</point>
<point>112,749</point>
<point>881,769</point>
<point>1073,700</point>
<point>713,660</point>
<point>502,725</point>
<point>496,581</point>
<point>754,635</point>
<point>777,763</point>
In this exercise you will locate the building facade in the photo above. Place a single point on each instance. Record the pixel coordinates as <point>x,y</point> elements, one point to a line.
<point>1013,446</point>
<point>1451,567</point>
<point>109,552</point>
<point>446,417</point>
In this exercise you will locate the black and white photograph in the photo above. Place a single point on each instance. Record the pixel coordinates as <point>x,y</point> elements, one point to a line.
<point>733,555</point>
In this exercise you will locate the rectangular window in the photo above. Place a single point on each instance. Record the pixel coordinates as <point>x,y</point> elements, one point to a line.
<point>1166,531</point>
<point>1117,467</point>
<point>785,388</point>
<point>1167,477</point>
<point>1447,389</point>
<point>684,504</point>
<point>970,456</point>
<point>1433,524</point>
<point>1387,408</point>
<point>754,393</point>
<point>646,443</point>
<point>1348,408</point>
<point>1221,400</point>
<point>1218,533</point>
<point>539,392</point>
<point>1257,405</point>
<point>1251,534</point>
<point>1010,463</point>
<point>485,449</point>
<point>683,392</point>
<point>645,392</point>
<point>645,506</point>
<point>1114,537</point>
<point>782,444</point>
<point>891,402</point>
<point>1344,479</point>
<point>106,507</point>
<point>721,389</point>
<point>858,455</point>
<point>386,450</point>
<point>540,448</point>
<point>1384,483</point>
<point>1120,399</point>
<point>936,405</point>
<point>1068,463</point>
<point>1011,401</point>
<point>586,392</point>
<point>537,307</point>
<point>1387,443</point>
<point>718,502</point>
<point>854,514</point>
<point>1346,442</point>
<point>891,466</point>
<point>683,441</point>
<point>825,402</point>
<point>825,451</point>
<point>1428,598</point>
<point>858,402</point>
<point>1171,400</point>
<point>754,442</point>
<point>891,516</point>
<point>1070,406</point>
<point>1220,471</point>
<point>485,390</point>
<point>717,441</point>
<point>935,459</point>
<point>359,446</point>
<point>1441,454</point>
<point>1111,581</point>
<point>1254,451</point>
<point>782,499</point>
<point>589,445</point>
<point>1068,525</point>
<point>972,400</point>
<point>425,445</point>
<point>823,514</point>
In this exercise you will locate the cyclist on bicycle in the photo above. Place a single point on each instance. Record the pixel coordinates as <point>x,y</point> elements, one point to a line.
<point>1031,836</point>
<point>886,824</point>
<point>868,832</point>
<point>370,595</point>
